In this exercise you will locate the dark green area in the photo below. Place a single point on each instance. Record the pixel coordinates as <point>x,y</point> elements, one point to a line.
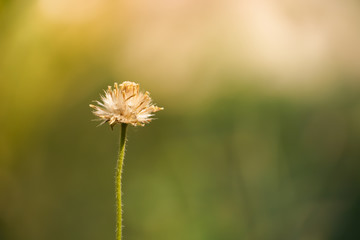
<point>239,168</point>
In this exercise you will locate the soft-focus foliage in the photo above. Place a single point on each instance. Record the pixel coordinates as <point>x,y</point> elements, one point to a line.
<point>260,139</point>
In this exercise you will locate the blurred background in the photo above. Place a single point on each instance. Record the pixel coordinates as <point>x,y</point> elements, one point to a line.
<point>259,139</point>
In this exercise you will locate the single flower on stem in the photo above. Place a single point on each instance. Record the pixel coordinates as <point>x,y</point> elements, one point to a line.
<point>125,105</point>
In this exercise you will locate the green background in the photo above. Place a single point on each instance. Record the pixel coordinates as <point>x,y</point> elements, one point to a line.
<point>259,140</point>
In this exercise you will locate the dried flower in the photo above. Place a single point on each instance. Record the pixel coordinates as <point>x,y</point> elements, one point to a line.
<point>125,104</point>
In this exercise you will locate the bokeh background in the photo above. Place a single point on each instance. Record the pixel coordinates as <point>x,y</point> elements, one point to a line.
<point>259,139</point>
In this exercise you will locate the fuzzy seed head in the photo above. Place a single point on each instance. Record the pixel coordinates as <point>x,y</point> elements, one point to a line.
<point>125,104</point>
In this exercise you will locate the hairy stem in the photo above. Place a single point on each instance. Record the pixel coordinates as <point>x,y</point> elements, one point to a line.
<point>118,181</point>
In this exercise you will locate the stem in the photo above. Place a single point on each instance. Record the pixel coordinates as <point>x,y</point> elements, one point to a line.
<point>118,181</point>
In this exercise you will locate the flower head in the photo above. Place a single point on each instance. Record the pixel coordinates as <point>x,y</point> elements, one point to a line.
<point>125,104</point>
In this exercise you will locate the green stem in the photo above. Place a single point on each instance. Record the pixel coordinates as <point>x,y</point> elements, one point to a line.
<point>118,181</point>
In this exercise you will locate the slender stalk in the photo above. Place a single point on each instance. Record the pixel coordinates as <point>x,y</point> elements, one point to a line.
<point>118,181</point>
